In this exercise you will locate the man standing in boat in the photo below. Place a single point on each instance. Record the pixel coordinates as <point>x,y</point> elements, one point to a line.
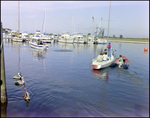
<point>109,49</point>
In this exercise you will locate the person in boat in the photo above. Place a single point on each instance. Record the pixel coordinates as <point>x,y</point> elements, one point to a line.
<point>100,57</point>
<point>105,57</point>
<point>105,51</point>
<point>109,49</point>
<point>120,61</point>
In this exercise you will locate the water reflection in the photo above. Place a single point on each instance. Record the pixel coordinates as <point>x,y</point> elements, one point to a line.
<point>38,54</point>
<point>103,73</point>
<point>79,47</point>
<point>145,51</point>
<point>27,102</point>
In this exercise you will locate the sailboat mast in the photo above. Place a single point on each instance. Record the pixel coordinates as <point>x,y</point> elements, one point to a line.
<point>109,19</point>
<point>45,22</point>
<point>73,24</point>
<point>18,17</point>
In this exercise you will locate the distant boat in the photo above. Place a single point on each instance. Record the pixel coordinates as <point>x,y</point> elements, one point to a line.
<point>25,36</point>
<point>100,31</point>
<point>44,37</point>
<point>90,39</point>
<point>77,38</point>
<point>65,38</point>
<point>16,37</point>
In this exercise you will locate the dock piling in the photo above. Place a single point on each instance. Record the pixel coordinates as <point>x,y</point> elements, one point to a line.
<point>3,81</point>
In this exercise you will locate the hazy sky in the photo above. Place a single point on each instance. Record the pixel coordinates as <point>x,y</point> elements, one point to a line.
<point>127,18</point>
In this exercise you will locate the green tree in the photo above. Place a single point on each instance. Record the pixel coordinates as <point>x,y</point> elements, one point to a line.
<point>113,36</point>
<point>89,34</point>
<point>121,36</point>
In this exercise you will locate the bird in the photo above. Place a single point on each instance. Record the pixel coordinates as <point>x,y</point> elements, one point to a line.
<point>18,76</point>
<point>26,95</point>
<point>20,82</point>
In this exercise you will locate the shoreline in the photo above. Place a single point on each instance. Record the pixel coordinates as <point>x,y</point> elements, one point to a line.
<point>142,41</point>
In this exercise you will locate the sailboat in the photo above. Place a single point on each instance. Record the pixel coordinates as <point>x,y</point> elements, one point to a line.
<point>76,36</point>
<point>16,37</point>
<point>45,38</point>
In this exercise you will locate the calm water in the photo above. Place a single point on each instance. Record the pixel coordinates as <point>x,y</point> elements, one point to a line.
<point>61,81</point>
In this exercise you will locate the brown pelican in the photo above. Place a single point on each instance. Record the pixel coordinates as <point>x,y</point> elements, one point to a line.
<point>18,76</point>
<point>20,82</point>
<point>26,95</point>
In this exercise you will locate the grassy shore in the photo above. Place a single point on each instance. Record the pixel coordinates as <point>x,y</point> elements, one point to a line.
<point>140,40</point>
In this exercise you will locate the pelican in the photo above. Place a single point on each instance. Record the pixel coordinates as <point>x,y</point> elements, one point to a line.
<point>26,95</point>
<point>20,82</point>
<point>18,76</point>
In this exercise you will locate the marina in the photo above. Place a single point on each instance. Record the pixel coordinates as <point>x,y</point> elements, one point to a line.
<point>54,67</point>
<point>62,82</point>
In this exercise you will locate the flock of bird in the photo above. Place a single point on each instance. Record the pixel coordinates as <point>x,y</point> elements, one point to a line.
<point>20,81</point>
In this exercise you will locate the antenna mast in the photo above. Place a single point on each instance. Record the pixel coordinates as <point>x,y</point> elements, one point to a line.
<point>18,17</point>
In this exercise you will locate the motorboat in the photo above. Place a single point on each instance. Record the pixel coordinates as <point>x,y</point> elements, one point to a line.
<point>77,38</point>
<point>65,38</point>
<point>100,41</point>
<point>125,64</point>
<point>25,36</point>
<point>37,44</point>
<point>46,38</point>
<point>96,64</point>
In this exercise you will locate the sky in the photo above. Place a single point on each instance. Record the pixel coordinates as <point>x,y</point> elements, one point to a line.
<point>127,18</point>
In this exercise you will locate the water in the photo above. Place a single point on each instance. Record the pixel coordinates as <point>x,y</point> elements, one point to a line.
<point>61,81</point>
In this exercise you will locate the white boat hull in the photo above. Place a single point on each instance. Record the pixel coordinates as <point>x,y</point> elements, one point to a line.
<point>66,41</point>
<point>16,39</point>
<point>99,65</point>
<point>35,46</point>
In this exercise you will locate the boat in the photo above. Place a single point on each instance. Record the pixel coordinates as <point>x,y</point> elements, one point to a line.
<point>25,36</point>
<point>100,33</point>
<point>125,65</point>
<point>66,38</point>
<point>77,38</point>
<point>16,37</point>
<point>46,38</point>
<point>90,39</point>
<point>37,43</point>
<point>99,65</point>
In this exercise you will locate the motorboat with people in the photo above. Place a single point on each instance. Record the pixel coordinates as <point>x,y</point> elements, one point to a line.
<point>97,64</point>
<point>125,64</point>
<point>37,43</point>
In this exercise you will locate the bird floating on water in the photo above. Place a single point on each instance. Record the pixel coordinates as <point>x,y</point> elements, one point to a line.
<point>18,76</point>
<point>20,82</point>
<point>26,95</point>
